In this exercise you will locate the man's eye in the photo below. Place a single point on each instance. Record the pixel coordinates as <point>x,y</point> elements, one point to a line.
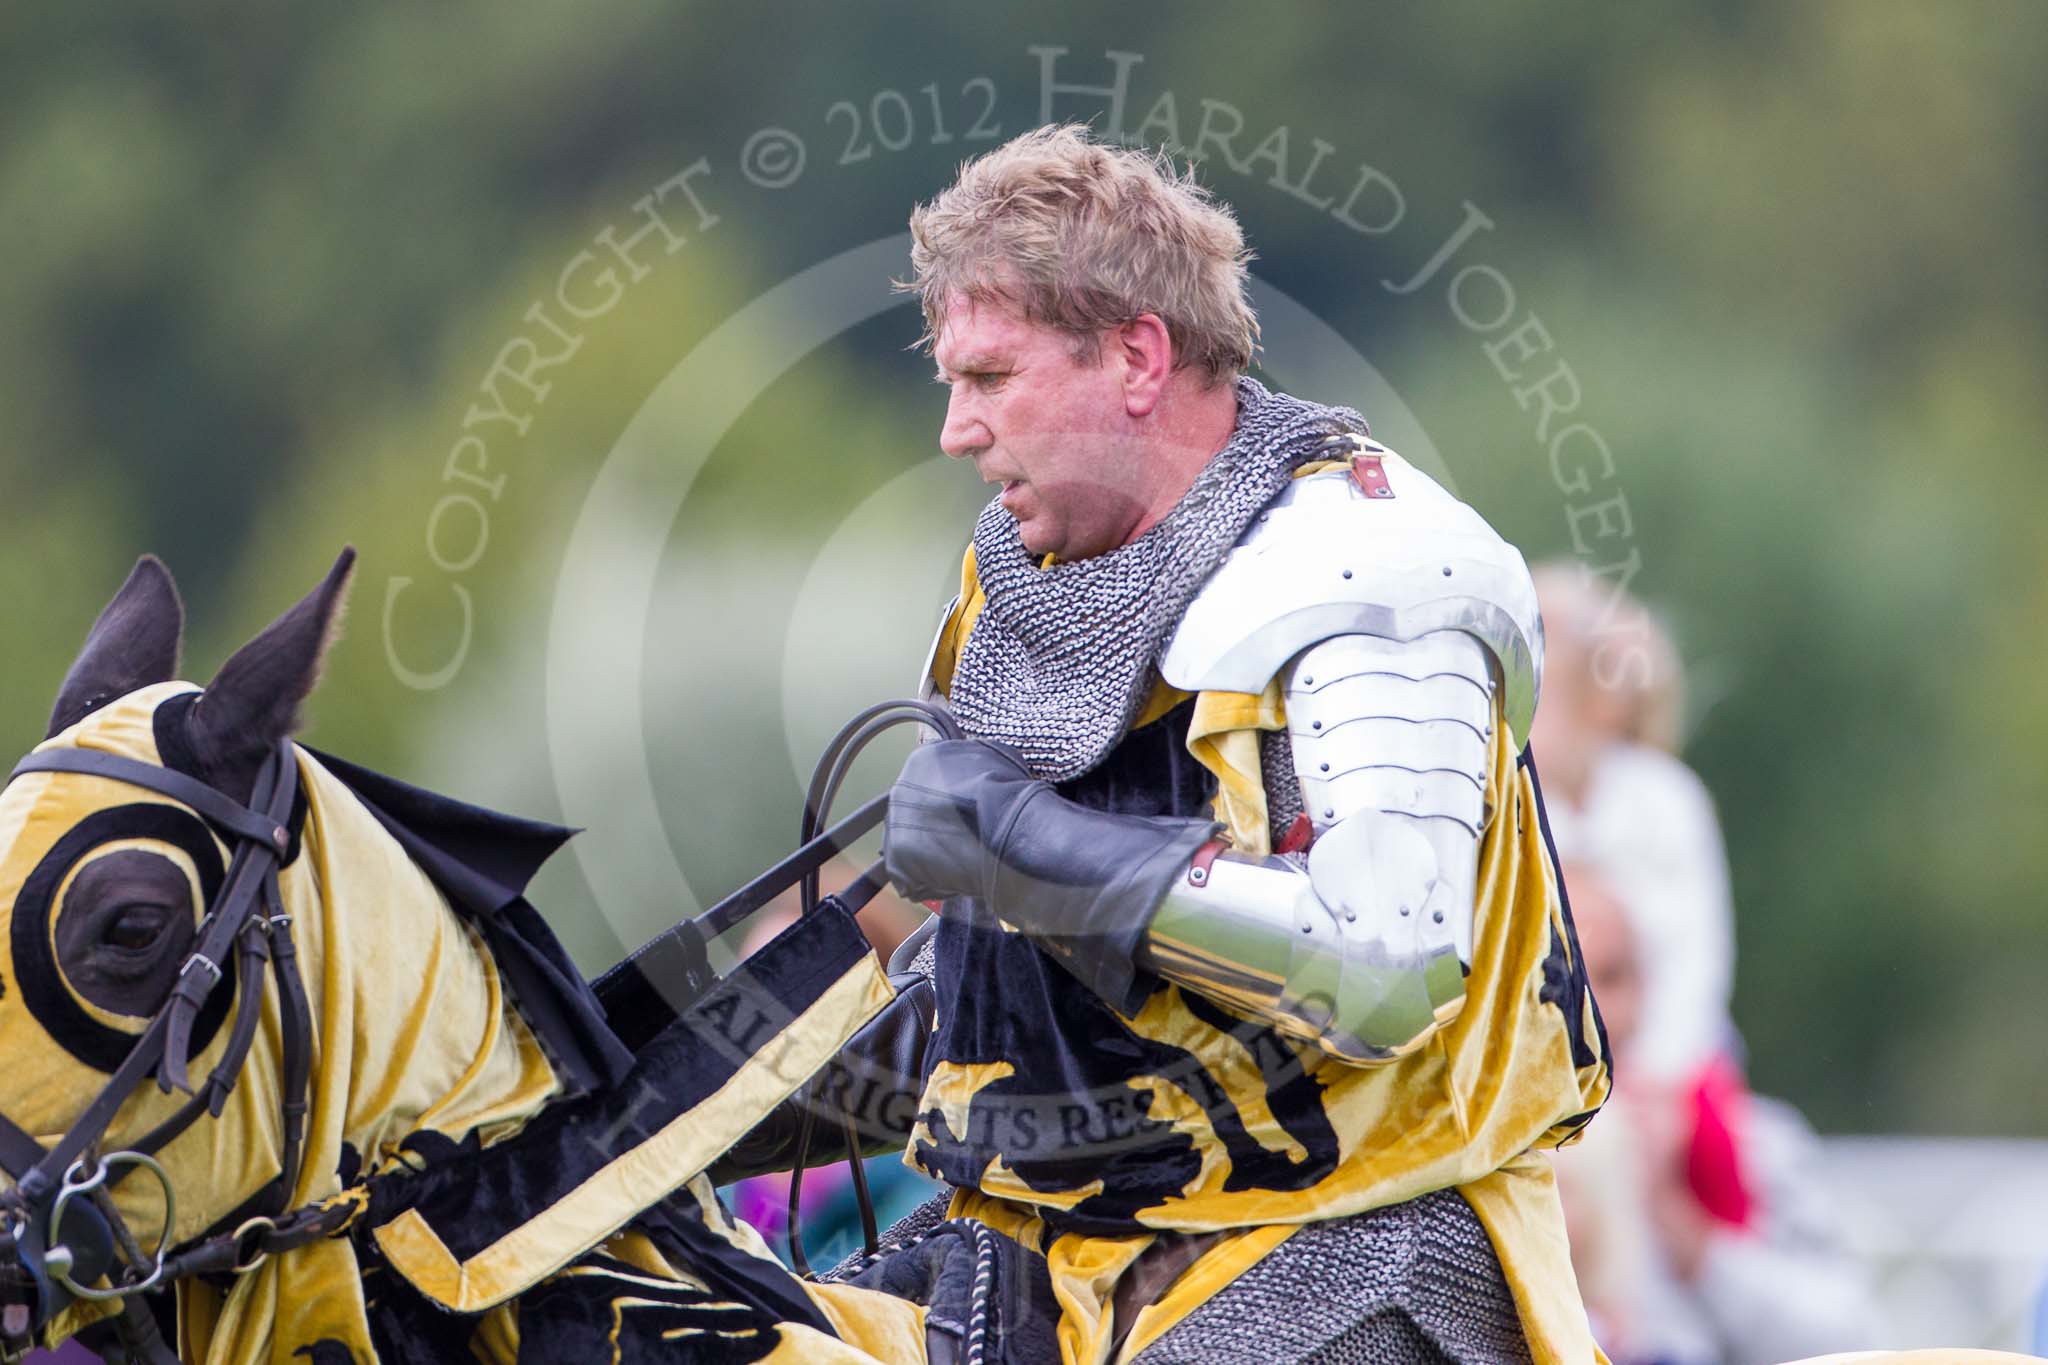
<point>988,379</point>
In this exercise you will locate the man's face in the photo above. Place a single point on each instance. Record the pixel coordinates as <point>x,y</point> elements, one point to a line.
<point>1607,948</point>
<point>1052,431</point>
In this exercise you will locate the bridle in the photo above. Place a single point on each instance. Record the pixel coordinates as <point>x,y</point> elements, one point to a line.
<point>62,1232</point>
<point>62,1228</point>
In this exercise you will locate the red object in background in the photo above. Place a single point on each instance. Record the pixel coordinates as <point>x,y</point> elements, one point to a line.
<point>1714,1169</point>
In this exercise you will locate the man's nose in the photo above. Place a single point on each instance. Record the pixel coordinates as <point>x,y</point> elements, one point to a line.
<point>964,434</point>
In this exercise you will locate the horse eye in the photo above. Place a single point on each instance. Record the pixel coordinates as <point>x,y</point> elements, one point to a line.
<point>135,927</point>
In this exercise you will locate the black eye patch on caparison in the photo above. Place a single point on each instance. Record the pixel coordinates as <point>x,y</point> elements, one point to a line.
<point>39,975</point>
<point>124,927</point>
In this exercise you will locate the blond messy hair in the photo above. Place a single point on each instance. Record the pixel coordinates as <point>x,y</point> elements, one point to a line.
<point>1627,652</point>
<point>1083,236</point>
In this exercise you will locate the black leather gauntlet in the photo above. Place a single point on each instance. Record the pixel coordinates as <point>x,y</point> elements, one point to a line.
<point>968,823</point>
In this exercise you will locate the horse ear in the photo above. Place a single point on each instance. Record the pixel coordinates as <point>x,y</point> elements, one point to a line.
<point>135,642</point>
<point>253,701</point>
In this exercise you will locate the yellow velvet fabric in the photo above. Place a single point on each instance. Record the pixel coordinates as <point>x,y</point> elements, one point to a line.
<point>411,1032</point>
<point>1471,1107</point>
<point>637,1177</point>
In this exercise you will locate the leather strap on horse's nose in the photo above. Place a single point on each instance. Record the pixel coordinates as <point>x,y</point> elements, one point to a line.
<point>250,875</point>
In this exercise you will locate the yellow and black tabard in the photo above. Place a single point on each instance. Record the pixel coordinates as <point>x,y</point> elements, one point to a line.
<point>1082,1132</point>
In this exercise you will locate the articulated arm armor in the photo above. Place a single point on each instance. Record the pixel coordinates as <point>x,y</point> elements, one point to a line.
<point>1392,618</point>
<point>1400,626</point>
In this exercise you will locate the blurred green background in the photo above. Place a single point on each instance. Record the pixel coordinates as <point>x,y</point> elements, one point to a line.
<point>256,266</point>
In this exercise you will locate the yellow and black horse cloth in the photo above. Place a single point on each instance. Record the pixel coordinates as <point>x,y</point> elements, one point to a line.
<point>516,1186</point>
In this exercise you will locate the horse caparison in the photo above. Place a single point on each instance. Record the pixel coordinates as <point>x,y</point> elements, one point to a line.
<point>312,1006</point>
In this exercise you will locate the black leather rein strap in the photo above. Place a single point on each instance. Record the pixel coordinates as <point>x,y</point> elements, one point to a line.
<point>264,826</point>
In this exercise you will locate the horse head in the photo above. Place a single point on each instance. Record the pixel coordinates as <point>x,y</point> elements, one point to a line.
<point>106,887</point>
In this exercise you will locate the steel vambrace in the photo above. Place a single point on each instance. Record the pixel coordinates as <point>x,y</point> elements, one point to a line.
<point>1363,946</point>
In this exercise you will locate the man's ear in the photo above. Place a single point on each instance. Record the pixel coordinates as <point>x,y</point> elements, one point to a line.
<point>135,642</point>
<point>1146,350</point>
<point>253,702</point>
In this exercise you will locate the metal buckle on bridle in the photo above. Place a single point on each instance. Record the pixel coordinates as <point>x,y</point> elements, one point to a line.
<point>84,1178</point>
<point>249,1249</point>
<point>202,960</point>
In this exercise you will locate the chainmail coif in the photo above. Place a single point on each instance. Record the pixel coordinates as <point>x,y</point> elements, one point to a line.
<point>1062,657</point>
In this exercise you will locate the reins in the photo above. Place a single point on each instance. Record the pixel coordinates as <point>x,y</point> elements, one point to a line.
<point>826,779</point>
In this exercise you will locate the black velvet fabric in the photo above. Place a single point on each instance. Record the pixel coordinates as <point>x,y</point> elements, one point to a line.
<point>1564,973</point>
<point>42,981</point>
<point>482,860</point>
<point>967,1275</point>
<point>1150,772</point>
<point>1066,1115</point>
<point>473,1198</point>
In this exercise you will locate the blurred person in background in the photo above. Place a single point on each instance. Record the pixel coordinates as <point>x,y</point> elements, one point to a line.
<point>1696,1235</point>
<point>1608,736</point>
<point>1618,796</point>
<point>1666,1280</point>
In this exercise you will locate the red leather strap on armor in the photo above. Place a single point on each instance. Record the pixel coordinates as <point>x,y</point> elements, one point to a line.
<point>1298,837</point>
<point>1370,476</point>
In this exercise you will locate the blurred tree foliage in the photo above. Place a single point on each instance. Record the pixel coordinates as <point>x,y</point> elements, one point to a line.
<point>258,262</point>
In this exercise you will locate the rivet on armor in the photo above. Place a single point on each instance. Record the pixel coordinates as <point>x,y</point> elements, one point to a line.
<point>1329,812</point>
<point>1308,928</point>
<point>1308,682</point>
<point>1315,725</point>
<point>1438,916</point>
<point>1447,571</point>
<point>1351,916</point>
<point>1404,910</point>
<point>1347,573</point>
<point>1326,767</point>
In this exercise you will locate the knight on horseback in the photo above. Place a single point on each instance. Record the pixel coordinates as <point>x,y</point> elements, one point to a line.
<point>1253,992</point>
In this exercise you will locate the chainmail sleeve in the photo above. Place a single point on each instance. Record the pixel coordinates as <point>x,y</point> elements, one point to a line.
<point>1283,784</point>
<point>918,953</point>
